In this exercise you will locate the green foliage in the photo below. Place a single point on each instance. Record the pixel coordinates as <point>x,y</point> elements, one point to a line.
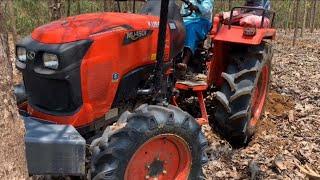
<point>30,14</point>
<point>223,5</point>
<point>87,6</point>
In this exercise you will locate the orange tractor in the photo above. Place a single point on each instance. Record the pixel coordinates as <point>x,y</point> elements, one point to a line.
<point>100,92</point>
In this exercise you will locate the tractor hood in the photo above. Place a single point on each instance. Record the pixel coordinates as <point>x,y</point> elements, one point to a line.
<point>82,26</point>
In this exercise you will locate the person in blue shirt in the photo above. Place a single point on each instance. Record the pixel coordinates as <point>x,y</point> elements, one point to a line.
<point>259,3</point>
<point>197,26</point>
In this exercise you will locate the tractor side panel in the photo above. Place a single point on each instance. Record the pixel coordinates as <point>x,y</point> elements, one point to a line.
<point>218,64</point>
<point>125,52</point>
<point>97,70</point>
<point>130,83</point>
<point>235,35</point>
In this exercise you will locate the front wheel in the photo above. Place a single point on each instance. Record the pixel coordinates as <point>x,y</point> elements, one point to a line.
<point>242,96</point>
<point>153,142</point>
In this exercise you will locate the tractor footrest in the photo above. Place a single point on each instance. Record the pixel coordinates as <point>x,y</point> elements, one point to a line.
<point>191,85</point>
<point>198,87</point>
<point>53,149</point>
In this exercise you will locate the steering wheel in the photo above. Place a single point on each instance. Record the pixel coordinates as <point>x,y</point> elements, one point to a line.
<point>189,12</point>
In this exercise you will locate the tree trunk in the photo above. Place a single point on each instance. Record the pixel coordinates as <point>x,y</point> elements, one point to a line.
<point>108,5</point>
<point>126,7</point>
<point>293,15</point>
<point>230,4</point>
<point>105,5</point>
<point>314,14</point>
<point>296,11</point>
<point>12,19</point>
<point>91,7</point>
<point>78,7</point>
<point>68,8</point>
<point>12,149</point>
<point>12,37</point>
<point>288,21</point>
<point>225,5</point>
<point>310,14</point>
<point>56,9</point>
<point>304,17</point>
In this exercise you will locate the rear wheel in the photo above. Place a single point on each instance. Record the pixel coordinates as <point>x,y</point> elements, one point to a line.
<point>242,96</point>
<point>152,142</point>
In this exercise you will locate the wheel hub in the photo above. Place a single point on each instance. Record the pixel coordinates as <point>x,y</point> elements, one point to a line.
<point>165,156</point>
<point>155,168</point>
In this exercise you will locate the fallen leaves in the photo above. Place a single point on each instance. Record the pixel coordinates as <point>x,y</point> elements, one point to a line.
<point>278,163</point>
<point>311,174</point>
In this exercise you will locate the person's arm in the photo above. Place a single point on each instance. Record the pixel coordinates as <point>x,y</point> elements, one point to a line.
<point>267,4</point>
<point>206,7</point>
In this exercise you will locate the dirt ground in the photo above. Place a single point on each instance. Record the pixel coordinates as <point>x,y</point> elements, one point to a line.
<point>287,143</point>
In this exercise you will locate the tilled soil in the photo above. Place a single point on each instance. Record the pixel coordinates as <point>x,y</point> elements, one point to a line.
<point>287,142</point>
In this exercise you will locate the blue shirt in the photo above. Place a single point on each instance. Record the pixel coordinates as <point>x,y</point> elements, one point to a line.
<point>259,3</point>
<point>205,8</point>
<point>266,4</point>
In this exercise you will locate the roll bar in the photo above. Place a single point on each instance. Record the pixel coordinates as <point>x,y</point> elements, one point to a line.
<point>264,14</point>
<point>159,72</point>
<point>159,78</point>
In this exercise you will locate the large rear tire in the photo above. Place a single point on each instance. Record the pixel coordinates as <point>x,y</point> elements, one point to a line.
<point>242,96</point>
<point>152,142</point>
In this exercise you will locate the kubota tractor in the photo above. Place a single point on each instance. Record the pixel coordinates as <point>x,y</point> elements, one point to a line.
<point>99,95</point>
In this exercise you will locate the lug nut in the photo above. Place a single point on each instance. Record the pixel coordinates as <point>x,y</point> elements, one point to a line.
<point>164,172</point>
<point>147,177</point>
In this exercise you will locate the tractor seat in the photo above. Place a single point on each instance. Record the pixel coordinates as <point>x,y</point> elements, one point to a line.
<point>246,19</point>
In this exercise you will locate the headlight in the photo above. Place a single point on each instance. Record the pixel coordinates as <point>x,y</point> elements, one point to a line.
<point>22,54</point>
<point>50,61</point>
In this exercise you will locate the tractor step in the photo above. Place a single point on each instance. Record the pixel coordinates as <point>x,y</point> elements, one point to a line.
<point>53,149</point>
<point>197,86</point>
<point>192,83</point>
<point>199,83</point>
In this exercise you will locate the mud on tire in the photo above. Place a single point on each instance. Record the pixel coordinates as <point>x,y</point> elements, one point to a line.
<point>239,102</point>
<point>122,143</point>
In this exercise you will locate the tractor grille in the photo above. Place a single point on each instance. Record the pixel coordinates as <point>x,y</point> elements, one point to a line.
<point>55,92</point>
<point>53,96</point>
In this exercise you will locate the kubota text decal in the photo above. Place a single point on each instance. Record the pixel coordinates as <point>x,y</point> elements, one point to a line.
<point>133,36</point>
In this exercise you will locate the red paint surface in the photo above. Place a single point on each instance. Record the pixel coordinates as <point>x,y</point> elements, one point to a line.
<point>235,35</point>
<point>172,150</point>
<point>259,95</point>
<point>107,55</point>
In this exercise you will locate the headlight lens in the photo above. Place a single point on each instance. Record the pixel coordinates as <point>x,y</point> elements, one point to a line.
<point>50,61</point>
<point>22,54</point>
